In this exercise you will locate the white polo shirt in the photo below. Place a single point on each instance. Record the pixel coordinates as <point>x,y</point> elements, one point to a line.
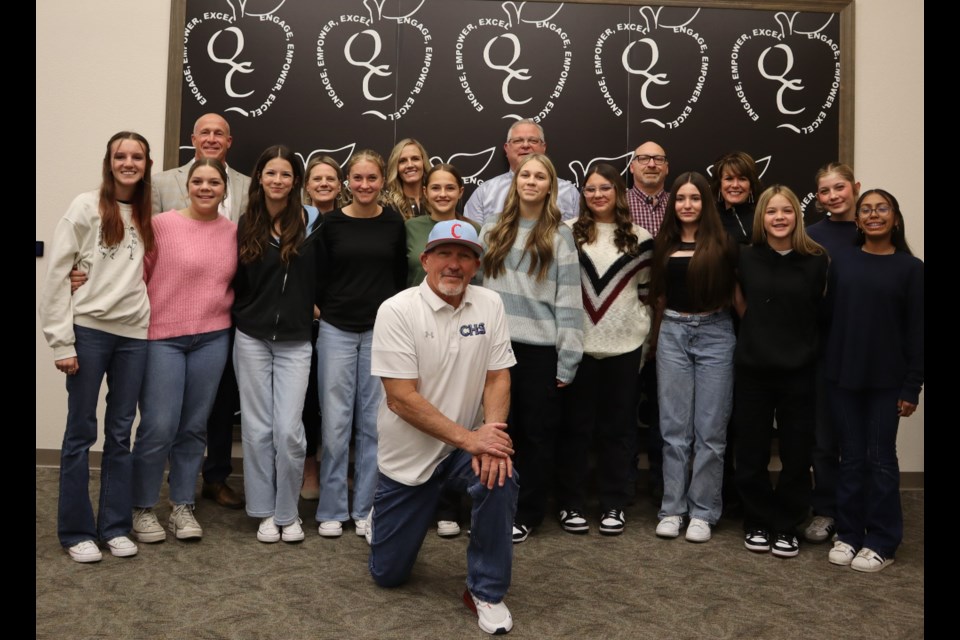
<point>418,336</point>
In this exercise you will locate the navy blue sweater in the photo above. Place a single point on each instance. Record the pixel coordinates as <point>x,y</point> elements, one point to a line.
<point>876,333</point>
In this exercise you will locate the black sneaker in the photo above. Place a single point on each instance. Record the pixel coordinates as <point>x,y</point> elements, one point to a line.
<point>785,546</point>
<point>520,532</point>
<point>757,540</point>
<point>611,522</point>
<point>572,521</point>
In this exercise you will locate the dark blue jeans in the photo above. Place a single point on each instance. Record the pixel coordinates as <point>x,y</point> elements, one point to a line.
<point>122,361</point>
<point>868,494</point>
<point>402,514</point>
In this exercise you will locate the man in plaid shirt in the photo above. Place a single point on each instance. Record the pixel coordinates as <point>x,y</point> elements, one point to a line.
<point>647,198</point>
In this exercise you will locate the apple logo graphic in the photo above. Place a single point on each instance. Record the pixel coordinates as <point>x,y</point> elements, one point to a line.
<point>341,154</point>
<point>579,169</point>
<point>777,73</point>
<point>762,165</point>
<point>361,70</point>
<point>521,61</point>
<point>669,97</point>
<point>469,164</point>
<point>221,67</point>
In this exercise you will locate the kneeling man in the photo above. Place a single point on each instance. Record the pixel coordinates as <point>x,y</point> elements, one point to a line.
<point>443,353</point>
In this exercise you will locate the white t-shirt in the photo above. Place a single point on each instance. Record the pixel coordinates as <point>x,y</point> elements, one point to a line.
<point>418,336</point>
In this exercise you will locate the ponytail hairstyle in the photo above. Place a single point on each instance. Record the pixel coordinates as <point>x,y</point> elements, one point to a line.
<point>258,227</point>
<point>585,229</point>
<point>539,245</point>
<point>111,224</point>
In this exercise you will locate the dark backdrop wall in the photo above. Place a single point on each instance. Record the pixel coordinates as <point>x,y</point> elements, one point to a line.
<point>338,75</point>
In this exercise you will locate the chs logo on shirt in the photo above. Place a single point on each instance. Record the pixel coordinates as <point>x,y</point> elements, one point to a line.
<point>467,330</point>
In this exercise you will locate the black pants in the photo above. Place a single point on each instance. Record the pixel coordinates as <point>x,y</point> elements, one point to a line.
<point>790,397</point>
<point>219,464</point>
<point>599,406</point>
<point>311,404</point>
<point>534,423</point>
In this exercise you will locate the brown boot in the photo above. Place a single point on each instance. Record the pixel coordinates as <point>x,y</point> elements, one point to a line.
<point>222,494</point>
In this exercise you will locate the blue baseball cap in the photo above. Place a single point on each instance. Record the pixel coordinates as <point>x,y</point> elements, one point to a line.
<point>454,232</point>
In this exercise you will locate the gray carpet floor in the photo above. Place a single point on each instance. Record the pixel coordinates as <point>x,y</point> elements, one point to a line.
<point>635,585</point>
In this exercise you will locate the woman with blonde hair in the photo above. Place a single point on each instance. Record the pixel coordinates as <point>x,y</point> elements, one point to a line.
<point>782,276</point>
<point>363,261</point>
<point>530,259</point>
<point>405,178</point>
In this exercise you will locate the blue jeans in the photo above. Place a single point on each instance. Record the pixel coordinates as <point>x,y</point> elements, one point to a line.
<point>349,398</point>
<point>272,377</point>
<point>122,360</point>
<point>402,515</point>
<point>695,391</point>
<point>869,513</point>
<point>179,388</point>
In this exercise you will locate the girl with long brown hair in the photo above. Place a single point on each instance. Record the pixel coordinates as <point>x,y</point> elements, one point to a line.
<point>101,330</point>
<point>692,287</point>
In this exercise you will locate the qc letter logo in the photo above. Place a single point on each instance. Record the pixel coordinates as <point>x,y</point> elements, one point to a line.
<point>778,73</point>
<point>222,65</point>
<point>515,65</point>
<point>666,66</point>
<point>358,64</point>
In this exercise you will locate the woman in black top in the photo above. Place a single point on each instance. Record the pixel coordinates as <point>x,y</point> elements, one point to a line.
<point>736,184</point>
<point>275,290</point>
<point>782,278</point>
<point>363,249</point>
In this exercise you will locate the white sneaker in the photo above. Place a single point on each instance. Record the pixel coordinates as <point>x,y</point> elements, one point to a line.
<point>368,534</point>
<point>670,527</point>
<point>292,532</point>
<point>698,530</point>
<point>183,524</point>
<point>820,529</point>
<point>842,554</point>
<point>448,528</point>
<point>330,529</point>
<point>86,551</point>
<point>146,527</point>
<point>122,547</point>
<point>869,561</point>
<point>492,618</point>
<point>361,527</point>
<point>268,530</point>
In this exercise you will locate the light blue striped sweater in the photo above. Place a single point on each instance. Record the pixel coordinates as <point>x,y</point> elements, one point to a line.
<point>543,313</point>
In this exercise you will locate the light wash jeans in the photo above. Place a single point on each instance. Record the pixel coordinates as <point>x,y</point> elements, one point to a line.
<point>695,390</point>
<point>349,398</point>
<point>403,514</point>
<point>122,361</point>
<point>272,377</point>
<point>179,388</point>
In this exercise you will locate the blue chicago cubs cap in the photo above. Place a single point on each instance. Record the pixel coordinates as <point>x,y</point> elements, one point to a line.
<point>454,232</point>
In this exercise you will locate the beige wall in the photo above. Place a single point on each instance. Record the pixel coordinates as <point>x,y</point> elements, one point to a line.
<point>101,67</point>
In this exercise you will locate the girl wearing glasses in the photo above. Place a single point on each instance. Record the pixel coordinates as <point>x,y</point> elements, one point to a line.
<point>530,259</point>
<point>692,286</point>
<point>614,275</point>
<point>874,373</point>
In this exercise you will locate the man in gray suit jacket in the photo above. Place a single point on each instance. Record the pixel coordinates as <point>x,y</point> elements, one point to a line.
<point>211,138</point>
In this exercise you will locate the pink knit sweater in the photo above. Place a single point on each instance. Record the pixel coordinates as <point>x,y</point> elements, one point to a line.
<point>189,275</point>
